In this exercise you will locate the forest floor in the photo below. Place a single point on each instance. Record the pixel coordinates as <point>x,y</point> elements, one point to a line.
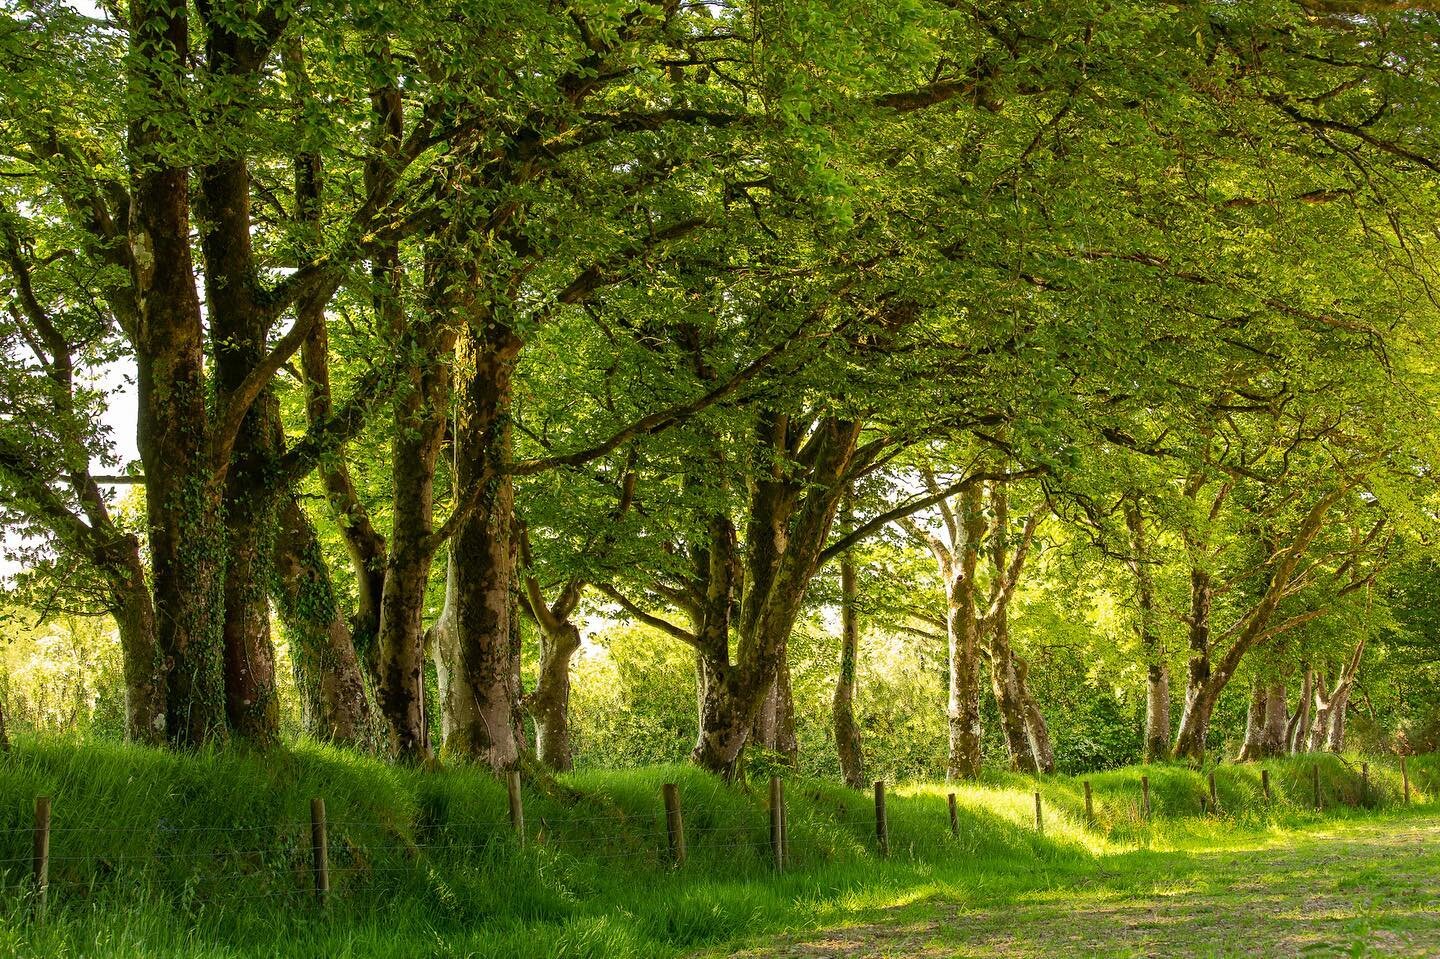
<point>1369,888</point>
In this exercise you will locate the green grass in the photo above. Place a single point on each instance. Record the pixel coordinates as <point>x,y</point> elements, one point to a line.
<point>156,854</point>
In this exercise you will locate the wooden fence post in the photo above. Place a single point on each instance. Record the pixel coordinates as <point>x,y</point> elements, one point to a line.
<point>777,823</point>
<point>954,817</point>
<point>882,824</point>
<point>1214,796</point>
<point>1265,783</point>
<point>1405,779</point>
<point>1364,782</point>
<point>319,850</point>
<point>1039,820</point>
<point>1145,795</point>
<point>1315,779</point>
<point>674,824</point>
<point>517,804</point>
<point>40,864</point>
<point>1089,804</point>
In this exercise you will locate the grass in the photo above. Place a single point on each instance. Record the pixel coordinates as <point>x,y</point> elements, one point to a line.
<point>156,854</point>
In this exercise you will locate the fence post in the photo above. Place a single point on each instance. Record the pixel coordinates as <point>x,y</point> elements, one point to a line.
<point>1089,804</point>
<point>1265,783</point>
<point>1315,779</point>
<point>1145,795</point>
<point>954,817</point>
<point>882,825</point>
<point>674,825</point>
<point>41,861</point>
<point>777,823</point>
<point>1405,779</point>
<point>1039,820</point>
<point>1214,796</point>
<point>517,804</point>
<point>319,850</point>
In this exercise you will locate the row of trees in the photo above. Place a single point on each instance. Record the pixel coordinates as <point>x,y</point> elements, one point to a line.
<point>448,318</point>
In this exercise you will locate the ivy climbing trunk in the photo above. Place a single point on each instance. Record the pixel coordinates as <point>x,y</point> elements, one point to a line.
<point>327,670</point>
<point>182,502</point>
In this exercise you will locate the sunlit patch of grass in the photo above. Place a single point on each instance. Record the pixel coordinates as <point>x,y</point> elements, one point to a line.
<point>158,854</point>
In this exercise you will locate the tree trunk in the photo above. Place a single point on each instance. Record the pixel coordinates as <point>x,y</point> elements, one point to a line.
<point>847,732</point>
<point>549,704</point>
<point>1035,722</point>
<point>1254,747</point>
<point>1276,713</point>
<point>326,666</point>
<point>478,692</point>
<point>1005,682</point>
<point>789,523</point>
<point>1157,686</point>
<point>144,665</point>
<point>1199,697</point>
<point>182,505</point>
<point>418,431</point>
<point>1297,733</point>
<point>962,629</point>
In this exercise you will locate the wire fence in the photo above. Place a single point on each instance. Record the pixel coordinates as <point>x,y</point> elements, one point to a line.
<point>218,866</point>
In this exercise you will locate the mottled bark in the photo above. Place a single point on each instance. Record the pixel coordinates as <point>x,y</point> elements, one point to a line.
<point>327,669</point>
<point>964,754</point>
<point>182,503</point>
<point>478,691</point>
<point>417,434</point>
<point>848,746</point>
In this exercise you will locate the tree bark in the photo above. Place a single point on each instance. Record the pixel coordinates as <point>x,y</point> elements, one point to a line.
<point>418,432</point>
<point>478,691</point>
<point>848,746</point>
<point>1253,748</point>
<point>1157,684</point>
<point>1297,732</point>
<point>182,503</point>
<point>327,669</point>
<point>964,755</point>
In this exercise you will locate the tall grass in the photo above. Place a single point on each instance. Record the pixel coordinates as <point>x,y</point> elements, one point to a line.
<point>158,854</point>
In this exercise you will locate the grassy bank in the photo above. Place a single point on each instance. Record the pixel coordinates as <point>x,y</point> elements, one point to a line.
<point>156,854</point>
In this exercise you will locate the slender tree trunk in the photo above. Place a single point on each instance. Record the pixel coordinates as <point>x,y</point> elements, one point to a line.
<point>847,732</point>
<point>1276,713</point>
<point>326,666</point>
<point>1199,695</point>
<point>964,758</point>
<point>1157,685</point>
<point>1035,722</point>
<point>1297,732</point>
<point>1005,682</point>
<point>134,613</point>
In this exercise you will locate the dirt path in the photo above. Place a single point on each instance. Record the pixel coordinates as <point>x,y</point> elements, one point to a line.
<point>1356,890</point>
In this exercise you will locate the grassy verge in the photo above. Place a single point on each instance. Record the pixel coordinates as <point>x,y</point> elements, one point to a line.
<point>162,855</point>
